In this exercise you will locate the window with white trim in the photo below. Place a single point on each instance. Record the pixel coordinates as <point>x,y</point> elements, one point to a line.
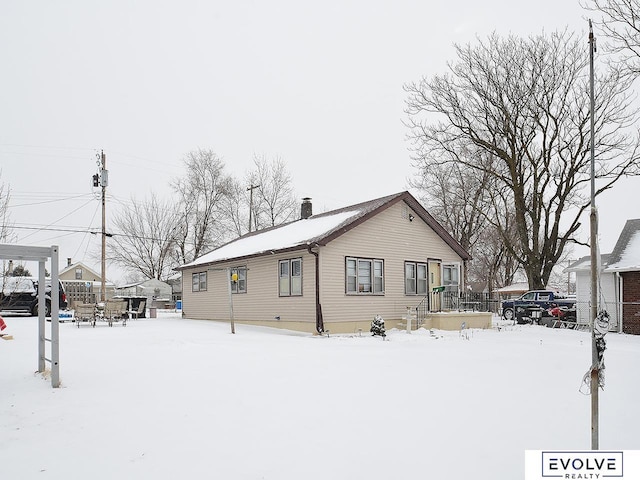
<point>364,275</point>
<point>240,285</point>
<point>290,277</point>
<point>199,282</point>
<point>451,277</point>
<point>415,278</point>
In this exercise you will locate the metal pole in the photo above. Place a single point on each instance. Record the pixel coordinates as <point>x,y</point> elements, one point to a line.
<point>595,370</point>
<point>55,319</point>
<point>41,317</point>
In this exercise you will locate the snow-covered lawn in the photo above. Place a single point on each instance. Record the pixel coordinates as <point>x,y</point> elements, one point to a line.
<point>172,398</point>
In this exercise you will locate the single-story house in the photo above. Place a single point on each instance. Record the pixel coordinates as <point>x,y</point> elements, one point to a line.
<point>619,282</point>
<point>334,271</point>
<point>514,290</point>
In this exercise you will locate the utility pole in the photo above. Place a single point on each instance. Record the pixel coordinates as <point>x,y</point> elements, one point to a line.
<point>250,190</point>
<point>593,221</point>
<point>104,181</point>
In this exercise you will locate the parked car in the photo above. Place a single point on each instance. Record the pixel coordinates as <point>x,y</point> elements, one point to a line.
<point>545,299</point>
<point>20,295</point>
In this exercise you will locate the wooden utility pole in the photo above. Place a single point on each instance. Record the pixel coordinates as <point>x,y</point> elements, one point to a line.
<point>104,180</point>
<point>593,220</point>
<point>250,190</point>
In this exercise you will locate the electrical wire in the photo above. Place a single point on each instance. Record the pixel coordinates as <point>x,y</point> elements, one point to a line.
<point>49,201</point>
<point>86,235</point>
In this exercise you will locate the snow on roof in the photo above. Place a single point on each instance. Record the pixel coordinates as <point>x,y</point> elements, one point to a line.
<point>300,232</point>
<point>514,287</point>
<point>630,257</point>
<point>583,264</point>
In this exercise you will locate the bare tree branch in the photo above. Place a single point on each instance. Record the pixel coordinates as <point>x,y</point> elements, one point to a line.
<point>202,193</point>
<point>146,237</point>
<point>525,104</point>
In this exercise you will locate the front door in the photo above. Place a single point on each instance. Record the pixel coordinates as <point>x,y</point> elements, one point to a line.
<point>434,281</point>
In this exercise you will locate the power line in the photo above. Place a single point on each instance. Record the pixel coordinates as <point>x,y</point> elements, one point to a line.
<point>49,201</point>
<point>47,229</point>
<point>94,231</point>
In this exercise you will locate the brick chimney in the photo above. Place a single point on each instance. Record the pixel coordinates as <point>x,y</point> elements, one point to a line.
<point>68,261</point>
<point>306,209</point>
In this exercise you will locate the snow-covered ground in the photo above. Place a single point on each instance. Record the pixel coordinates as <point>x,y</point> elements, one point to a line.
<point>171,398</point>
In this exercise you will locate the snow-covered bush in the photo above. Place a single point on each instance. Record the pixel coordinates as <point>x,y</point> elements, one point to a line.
<point>377,326</point>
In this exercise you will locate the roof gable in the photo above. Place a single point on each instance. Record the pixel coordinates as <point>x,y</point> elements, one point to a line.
<point>626,253</point>
<point>73,266</point>
<point>319,230</point>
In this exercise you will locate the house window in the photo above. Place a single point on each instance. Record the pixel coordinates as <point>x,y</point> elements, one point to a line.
<point>450,277</point>
<point>240,285</point>
<point>415,278</point>
<point>199,282</point>
<point>290,277</point>
<point>78,273</point>
<point>364,276</point>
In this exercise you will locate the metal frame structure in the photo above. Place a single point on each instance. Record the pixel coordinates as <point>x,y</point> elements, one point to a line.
<point>41,255</point>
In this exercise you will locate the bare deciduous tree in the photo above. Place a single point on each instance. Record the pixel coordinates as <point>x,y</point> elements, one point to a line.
<point>525,104</point>
<point>274,202</point>
<point>202,192</point>
<point>146,238</point>
<point>236,208</point>
<point>620,25</point>
<point>460,197</point>
<point>5,219</point>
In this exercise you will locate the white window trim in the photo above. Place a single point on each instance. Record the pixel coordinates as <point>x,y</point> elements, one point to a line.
<point>459,272</point>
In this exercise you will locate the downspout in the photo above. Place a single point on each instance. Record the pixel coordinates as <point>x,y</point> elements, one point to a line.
<point>319,321</point>
<point>620,302</point>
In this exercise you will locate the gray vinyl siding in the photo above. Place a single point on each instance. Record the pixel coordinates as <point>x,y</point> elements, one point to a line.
<point>389,236</point>
<point>261,303</point>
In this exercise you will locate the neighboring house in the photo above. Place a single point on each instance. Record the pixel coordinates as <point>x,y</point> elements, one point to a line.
<point>82,284</point>
<point>608,290</point>
<point>157,292</point>
<point>329,272</point>
<point>624,264</point>
<point>512,291</point>
<point>619,282</point>
<point>176,287</point>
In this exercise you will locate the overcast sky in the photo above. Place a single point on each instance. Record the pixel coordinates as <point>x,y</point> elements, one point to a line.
<point>318,85</point>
